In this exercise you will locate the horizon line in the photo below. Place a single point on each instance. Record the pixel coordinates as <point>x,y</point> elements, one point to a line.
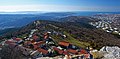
<point>55,11</point>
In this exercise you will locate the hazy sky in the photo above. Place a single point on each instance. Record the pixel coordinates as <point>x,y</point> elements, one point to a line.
<point>59,5</point>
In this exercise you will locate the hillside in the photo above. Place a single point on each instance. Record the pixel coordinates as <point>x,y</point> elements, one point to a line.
<point>77,34</point>
<point>19,19</point>
<point>80,20</point>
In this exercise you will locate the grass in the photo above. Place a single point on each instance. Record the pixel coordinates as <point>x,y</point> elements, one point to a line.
<point>71,40</point>
<point>76,42</point>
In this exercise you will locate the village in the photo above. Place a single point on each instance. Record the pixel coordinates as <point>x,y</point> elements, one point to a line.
<point>107,23</point>
<point>46,47</point>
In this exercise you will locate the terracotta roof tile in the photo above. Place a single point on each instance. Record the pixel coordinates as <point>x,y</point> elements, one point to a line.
<point>18,39</point>
<point>8,42</point>
<point>35,37</point>
<point>45,37</point>
<point>35,47</point>
<point>65,53</point>
<point>58,50</point>
<point>40,42</point>
<point>28,42</point>
<point>64,43</point>
<point>72,51</point>
<point>82,51</point>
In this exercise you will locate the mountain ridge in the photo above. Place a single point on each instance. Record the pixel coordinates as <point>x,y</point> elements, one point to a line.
<point>97,38</point>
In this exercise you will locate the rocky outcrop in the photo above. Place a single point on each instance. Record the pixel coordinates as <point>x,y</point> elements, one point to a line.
<point>110,52</point>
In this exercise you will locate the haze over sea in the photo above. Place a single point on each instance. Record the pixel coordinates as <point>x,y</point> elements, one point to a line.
<point>77,13</point>
<point>90,13</point>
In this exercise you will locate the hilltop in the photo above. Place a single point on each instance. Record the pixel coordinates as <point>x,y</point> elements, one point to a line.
<point>76,31</point>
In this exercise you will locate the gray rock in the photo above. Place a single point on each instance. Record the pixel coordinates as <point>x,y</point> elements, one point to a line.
<point>111,52</point>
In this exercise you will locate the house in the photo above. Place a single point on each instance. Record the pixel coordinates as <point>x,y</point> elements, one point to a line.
<point>35,38</point>
<point>35,47</point>
<point>64,44</point>
<point>82,51</point>
<point>72,51</point>
<point>65,53</point>
<point>58,50</point>
<point>9,42</point>
<point>44,52</point>
<point>27,43</point>
<point>40,43</point>
<point>17,39</point>
<point>45,37</point>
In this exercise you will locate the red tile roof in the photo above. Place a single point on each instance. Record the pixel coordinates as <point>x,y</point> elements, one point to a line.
<point>65,53</point>
<point>27,43</point>
<point>58,50</point>
<point>11,43</point>
<point>35,47</point>
<point>55,48</point>
<point>8,42</point>
<point>18,39</point>
<point>43,51</point>
<point>40,42</point>
<point>45,37</point>
<point>82,51</point>
<point>72,51</point>
<point>35,37</point>
<point>64,43</point>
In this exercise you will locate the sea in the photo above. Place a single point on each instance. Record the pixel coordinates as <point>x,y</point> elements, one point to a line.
<point>89,13</point>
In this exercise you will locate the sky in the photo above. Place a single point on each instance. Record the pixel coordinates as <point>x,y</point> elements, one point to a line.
<point>60,5</point>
